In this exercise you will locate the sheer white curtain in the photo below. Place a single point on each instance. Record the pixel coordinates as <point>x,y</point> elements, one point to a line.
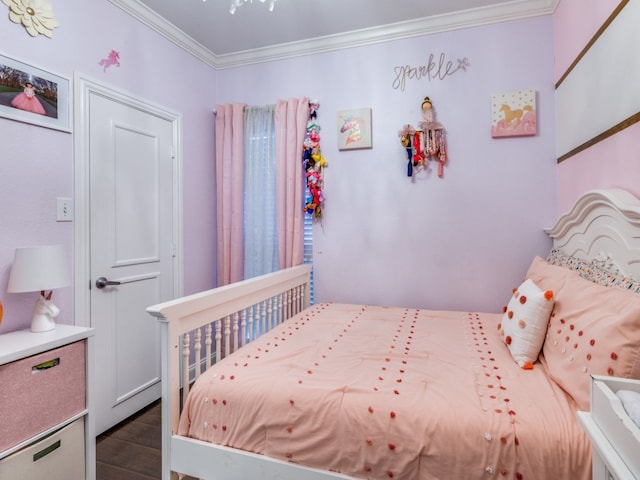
<point>260,233</point>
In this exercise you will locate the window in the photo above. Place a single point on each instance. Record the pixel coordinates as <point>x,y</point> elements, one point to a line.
<point>260,233</point>
<point>308,249</point>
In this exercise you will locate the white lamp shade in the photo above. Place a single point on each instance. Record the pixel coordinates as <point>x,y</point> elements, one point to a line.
<point>38,268</point>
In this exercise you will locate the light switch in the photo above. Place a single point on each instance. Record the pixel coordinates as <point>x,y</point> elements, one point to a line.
<point>64,209</point>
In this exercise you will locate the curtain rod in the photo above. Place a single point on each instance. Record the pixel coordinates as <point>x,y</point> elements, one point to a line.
<point>215,110</point>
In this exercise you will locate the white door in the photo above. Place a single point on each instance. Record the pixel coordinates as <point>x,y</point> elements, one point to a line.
<point>131,254</point>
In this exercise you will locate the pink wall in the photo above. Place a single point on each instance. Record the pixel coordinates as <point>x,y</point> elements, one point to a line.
<point>36,164</point>
<point>612,162</point>
<point>462,241</point>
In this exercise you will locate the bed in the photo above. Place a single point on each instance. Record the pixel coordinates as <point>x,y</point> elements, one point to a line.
<point>361,391</point>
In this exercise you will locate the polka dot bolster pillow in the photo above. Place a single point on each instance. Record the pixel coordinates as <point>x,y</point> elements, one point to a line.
<point>524,323</point>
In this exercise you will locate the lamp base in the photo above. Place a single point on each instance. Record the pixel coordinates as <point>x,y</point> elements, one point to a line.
<point>42,323</point>
<point>43,315</point>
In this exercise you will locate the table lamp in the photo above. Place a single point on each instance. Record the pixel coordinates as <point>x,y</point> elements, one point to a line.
<point>42,269</point>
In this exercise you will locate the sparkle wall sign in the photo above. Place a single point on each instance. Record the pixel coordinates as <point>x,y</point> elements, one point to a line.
<point>439,69</point>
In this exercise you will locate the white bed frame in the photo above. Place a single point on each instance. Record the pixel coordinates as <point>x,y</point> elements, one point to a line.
<point>222,320</point>
<point>603,225</point>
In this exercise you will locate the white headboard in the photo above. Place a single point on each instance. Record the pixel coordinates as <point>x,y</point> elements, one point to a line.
<point>603,225</point>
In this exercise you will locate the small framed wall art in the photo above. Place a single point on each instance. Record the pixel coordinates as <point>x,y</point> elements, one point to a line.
<point>31,95</point>
<point>513,114</point>
<point>354,129</point>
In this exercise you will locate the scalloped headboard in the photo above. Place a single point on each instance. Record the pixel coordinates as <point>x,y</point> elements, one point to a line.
<point>603,225</point>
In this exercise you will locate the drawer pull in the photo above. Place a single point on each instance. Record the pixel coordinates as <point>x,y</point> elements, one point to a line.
<point>45,365</point>
<point>46,451</point>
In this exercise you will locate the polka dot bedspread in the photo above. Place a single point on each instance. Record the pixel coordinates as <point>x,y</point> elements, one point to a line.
<point>376,392</point>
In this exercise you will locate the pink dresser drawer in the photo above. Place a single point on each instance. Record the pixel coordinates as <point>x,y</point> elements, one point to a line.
<point>39,392</point>
<point>59,456</point>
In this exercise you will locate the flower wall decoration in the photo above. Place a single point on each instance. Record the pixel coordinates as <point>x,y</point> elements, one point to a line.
<point>35,15</point>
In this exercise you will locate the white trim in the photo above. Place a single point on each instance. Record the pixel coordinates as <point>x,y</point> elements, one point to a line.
<point>514,10</point>
<point>81,237</point>
<point>83,87</point>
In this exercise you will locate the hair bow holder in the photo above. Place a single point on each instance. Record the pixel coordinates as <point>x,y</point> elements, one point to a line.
<point>425,144</point>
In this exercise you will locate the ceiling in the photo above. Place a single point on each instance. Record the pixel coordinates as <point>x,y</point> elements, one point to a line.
<point>299,27</point>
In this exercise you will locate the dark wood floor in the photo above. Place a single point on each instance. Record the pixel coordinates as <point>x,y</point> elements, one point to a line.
<point>131,449</point>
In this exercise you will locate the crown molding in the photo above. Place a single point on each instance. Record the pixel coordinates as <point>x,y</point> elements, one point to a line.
<point>396,31</point>
<point>159,24</point>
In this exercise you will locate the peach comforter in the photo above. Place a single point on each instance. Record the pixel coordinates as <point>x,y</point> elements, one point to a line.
<point>378,392</point>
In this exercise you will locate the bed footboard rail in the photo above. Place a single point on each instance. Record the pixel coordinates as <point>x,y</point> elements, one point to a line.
<point>219,321</point>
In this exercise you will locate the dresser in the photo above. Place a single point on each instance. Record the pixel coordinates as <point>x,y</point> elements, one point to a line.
<point>45,397</point>
<point>615,439</point>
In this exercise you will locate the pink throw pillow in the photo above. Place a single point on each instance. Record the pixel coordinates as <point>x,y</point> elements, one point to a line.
<point>547,276</point>
<point>594,330</point>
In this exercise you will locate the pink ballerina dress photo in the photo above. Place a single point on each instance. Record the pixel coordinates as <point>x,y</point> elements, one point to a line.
<point>27,100</point>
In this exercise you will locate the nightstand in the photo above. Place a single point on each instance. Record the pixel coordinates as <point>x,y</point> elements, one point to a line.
<point>615,439</point>
<point>47,425</point>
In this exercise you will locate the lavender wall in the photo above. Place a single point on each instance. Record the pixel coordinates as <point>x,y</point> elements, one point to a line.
<point>36,164</point>
<point>612,162</point>
<point>462,241</point>
<point>458,242</point>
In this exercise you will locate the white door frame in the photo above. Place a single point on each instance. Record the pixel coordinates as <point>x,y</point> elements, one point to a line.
<point>83,87</point>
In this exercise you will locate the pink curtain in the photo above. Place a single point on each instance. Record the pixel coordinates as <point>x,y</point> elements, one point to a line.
<point>291,118</point>
<point>229,191</point>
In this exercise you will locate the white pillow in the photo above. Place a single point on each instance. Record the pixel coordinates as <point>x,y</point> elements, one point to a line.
<point>524,323</point>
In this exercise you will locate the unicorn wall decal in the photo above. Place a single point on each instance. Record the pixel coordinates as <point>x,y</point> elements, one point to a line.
<point>112,60</point>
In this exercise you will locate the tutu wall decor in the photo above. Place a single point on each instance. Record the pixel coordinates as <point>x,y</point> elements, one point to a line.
<point>424,144</point>
<point>35,15</point>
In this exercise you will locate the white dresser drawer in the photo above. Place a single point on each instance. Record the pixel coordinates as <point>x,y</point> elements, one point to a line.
<point>40,392</point>
<point>609,415</point>
<point>59,456</point>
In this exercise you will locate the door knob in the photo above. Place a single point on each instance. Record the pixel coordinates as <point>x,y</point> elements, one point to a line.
<point>102,282</point>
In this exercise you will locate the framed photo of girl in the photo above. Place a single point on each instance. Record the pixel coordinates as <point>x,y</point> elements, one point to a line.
<point>29,94</point>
